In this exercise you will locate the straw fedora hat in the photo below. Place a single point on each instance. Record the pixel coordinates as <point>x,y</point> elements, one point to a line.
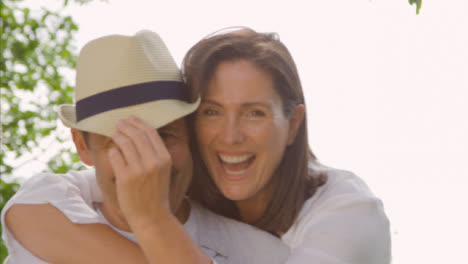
<point>118,76</point>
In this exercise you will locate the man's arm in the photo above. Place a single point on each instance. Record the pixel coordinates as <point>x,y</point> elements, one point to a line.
<point>48,234</point>
<point>142,166</point>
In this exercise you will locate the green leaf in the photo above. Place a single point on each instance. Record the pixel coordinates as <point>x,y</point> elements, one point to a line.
<point>31,87</point>
<point>418,4</point>
<point>31,60</point>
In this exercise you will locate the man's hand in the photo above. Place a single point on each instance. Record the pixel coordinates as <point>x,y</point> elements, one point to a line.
<point>142,167</point>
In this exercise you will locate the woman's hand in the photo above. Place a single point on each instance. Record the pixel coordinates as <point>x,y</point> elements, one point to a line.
<point>142,167</point>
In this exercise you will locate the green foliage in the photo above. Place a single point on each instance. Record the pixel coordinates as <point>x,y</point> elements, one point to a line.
<point>37,53</point>
<point>37,50</point>
<point>418,4</point>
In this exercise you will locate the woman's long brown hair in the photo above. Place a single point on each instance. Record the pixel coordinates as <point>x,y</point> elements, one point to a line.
<point>294,181</point>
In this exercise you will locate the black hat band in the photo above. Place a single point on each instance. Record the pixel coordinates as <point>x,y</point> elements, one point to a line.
<point>130,95</point>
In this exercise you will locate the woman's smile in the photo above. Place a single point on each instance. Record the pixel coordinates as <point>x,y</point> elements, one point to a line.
<point>241,129</point>
<point>235,166</point>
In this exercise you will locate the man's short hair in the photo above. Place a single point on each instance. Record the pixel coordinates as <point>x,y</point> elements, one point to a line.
<point>86,137</point>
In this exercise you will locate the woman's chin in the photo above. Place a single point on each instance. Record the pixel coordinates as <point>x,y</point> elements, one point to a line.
<point>234,193</point>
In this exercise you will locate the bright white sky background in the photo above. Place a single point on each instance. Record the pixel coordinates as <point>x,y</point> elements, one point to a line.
<point>386,92</point>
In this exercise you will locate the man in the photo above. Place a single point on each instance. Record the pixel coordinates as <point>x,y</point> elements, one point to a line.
<point>126,88</point>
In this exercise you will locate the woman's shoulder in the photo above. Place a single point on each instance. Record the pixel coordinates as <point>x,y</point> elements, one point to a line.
<point>345,182</point>
<point>235,240</point>
<point>349,214</point>
<point>343,189</point>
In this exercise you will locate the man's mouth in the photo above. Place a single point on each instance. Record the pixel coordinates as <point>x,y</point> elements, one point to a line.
<point>236,164</point>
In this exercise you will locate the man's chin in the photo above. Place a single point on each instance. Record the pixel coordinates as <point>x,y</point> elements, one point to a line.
<point>183,210</point>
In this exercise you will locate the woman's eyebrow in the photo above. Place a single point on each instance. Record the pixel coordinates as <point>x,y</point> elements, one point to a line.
<point>244,105</point>
<point>209,101</point>
<point>262,104</point>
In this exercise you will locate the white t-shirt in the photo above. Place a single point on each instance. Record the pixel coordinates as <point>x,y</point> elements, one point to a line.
<point>343,223</point>
<point>75,193</point>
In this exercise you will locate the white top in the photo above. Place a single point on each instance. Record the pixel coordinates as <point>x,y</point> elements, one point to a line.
<point>74,193</point>
<point>343,223</point>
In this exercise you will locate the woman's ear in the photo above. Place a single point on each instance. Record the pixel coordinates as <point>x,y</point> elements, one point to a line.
<point>82,147</point>
<point>295,122</point>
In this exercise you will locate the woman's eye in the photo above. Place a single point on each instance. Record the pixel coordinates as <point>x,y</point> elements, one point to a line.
<point>256,113</point>
<point>209,112</point>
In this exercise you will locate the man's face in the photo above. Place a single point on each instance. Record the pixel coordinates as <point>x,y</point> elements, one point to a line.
<point>176,139</point>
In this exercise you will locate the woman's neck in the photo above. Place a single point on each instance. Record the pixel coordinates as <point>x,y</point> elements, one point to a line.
<point>253,208</point>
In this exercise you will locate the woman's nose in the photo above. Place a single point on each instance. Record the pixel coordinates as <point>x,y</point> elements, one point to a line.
<point>231,132</point>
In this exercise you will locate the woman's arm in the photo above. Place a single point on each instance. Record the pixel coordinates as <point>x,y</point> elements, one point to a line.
<point>50,235</point>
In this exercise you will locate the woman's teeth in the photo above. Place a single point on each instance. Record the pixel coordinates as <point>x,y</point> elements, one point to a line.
<point>235,165</point>
<point>235,159</point>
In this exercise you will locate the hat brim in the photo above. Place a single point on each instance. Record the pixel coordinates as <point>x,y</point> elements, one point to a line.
<point>156,114</point>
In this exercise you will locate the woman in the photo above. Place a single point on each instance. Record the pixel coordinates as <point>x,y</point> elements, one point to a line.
<point>256,165</point>
<point>252,103</point>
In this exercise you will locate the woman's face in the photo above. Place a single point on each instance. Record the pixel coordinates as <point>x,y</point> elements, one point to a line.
<point>241,130</point>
